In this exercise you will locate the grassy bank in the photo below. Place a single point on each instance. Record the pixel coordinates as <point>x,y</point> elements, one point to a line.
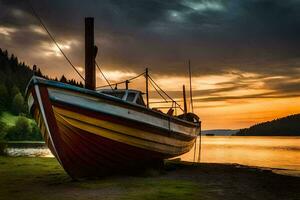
<point>43,178</point>
<point>18,128</point>
<point>8,118</point>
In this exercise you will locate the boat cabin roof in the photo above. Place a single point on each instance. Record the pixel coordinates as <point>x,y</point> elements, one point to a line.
<point>132,96</point>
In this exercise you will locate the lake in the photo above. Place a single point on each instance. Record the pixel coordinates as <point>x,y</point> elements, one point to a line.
<point>282,153</point>
<point>269,152</point>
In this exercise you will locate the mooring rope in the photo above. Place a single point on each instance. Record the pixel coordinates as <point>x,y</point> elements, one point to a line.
<point>53,39</point>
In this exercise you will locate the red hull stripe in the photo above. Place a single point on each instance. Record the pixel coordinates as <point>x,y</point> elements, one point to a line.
<point>88,154</point>
<point>125,134</point>
<point>123,121</point>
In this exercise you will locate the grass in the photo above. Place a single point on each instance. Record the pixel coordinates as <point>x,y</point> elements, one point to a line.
<point>43,178</point>
<point>26,178</point>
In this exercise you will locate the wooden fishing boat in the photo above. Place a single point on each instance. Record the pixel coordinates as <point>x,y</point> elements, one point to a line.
<point>95,133</point>
<point>100,132</point>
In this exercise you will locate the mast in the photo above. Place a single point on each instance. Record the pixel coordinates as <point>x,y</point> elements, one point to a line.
<point>126,84</point>
<point>184,99</point>
<point>90,54</point>
<point>147,89</point>
<point>191,91</point>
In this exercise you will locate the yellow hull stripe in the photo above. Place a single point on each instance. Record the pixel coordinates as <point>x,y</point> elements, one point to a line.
<point>122,129</point>
<point>109,131</point>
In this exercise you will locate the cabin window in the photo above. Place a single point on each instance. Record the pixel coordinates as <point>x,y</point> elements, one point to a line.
<point>114,93</point>
<point>140,101</point>
<point>118,94</point>
<point>130,96</point>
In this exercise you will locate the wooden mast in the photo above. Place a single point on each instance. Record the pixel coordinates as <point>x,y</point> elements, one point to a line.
<point>147,89</point>
<point>90,54</point>
<point>184,99</point>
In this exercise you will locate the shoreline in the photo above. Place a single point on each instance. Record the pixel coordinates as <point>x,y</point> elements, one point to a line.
<point>281,171</point>
<point>43,178</point>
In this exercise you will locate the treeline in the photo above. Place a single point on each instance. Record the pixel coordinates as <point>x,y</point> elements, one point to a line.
<point>14,77</point>
<point>286,126</point>
<point>24,129</point>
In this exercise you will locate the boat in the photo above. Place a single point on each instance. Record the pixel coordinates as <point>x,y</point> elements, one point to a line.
<point>100,132</point>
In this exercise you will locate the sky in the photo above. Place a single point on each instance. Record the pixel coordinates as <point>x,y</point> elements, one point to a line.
<point>245,55</point>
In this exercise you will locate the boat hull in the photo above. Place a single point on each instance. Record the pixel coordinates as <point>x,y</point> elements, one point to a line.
<point>93,143</point>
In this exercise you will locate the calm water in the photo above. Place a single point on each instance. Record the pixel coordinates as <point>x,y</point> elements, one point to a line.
<point>31,152</point>
<point>269,152</point>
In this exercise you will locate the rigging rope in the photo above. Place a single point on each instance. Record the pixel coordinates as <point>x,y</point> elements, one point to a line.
<point>165,93</point>
<point>53,39</point>
<point>118,83</point>
<point>104,75</point>
<point>158,91</point>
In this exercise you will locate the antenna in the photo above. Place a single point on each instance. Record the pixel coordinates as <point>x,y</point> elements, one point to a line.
<point>184,99</point>
<point>191,91</point>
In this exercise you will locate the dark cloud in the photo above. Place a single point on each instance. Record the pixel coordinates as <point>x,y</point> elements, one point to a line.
<point>255,36</point>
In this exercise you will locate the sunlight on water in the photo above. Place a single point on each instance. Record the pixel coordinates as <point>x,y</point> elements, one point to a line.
<point>270,152</point>
<point>31,152</point>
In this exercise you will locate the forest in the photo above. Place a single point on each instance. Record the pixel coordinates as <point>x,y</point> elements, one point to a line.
<point>286,126</point>
<point>15,122</point>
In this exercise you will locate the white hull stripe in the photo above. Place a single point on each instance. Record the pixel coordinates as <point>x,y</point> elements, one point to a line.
<point>38,94</point>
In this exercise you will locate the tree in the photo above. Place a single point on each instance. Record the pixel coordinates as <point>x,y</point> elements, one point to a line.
<point>3,97</point>
<point>14,91</point>
<point>21,130</point>
<point>35,133</point>
<point>63,79</point>
<point>3,129</point>
<point>17,104</point>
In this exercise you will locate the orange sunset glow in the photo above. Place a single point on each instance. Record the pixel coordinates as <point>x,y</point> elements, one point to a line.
<point>239,79</point>
<point>150,99</point>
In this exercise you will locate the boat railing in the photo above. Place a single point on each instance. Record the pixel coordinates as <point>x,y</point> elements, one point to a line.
<point>169,105</point>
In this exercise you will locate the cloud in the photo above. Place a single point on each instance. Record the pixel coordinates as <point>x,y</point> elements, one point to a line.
<point>6,31</point>
<point>247,42</point>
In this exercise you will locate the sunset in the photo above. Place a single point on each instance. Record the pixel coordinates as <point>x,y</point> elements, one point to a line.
<point>109,86</point>
<point>242,59</point>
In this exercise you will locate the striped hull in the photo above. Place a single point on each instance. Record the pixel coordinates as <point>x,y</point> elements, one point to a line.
<point>91,143</point>
<point>84,154</point>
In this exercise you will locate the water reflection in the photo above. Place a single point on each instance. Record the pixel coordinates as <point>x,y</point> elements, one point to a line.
<point>31,152</point>
<point>273,152</point>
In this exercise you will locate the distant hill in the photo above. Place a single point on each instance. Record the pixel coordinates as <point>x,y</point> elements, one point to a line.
<point>286,126</point>
<point>219,132</point>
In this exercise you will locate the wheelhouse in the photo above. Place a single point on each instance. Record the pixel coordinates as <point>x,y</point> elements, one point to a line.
<point>132,96</point>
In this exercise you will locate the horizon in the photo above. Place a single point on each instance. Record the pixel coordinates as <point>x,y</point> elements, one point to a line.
<point>245,63</point>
